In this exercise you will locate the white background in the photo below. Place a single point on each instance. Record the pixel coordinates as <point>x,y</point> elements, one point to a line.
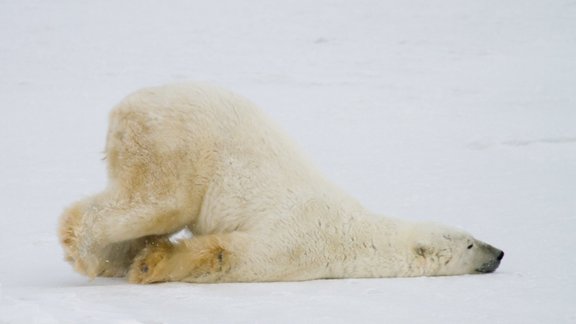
<point>461,112</point>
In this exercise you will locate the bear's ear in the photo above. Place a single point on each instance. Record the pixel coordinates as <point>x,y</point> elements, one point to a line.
<point>421,250</point>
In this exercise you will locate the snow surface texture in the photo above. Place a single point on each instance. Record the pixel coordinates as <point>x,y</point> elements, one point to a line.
<point>461,112</point>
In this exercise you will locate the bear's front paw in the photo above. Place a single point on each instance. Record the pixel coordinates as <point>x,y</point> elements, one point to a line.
<point>151,264</point>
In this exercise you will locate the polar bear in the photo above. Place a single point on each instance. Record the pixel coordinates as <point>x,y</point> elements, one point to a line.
<point>197,157</point>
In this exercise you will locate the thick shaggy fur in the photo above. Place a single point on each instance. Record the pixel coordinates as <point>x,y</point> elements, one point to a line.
<point>202,158</point>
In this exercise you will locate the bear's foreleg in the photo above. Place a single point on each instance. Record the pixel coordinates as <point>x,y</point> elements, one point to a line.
<point>227,257</point>
<point>206,258</point>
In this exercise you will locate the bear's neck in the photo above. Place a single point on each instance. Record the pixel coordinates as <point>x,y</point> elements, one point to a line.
<point>382,247</point>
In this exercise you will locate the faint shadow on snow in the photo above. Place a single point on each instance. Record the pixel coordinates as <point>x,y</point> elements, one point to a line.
<point>483,145</point>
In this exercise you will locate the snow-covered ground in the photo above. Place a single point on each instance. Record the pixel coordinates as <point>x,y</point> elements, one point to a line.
<point>462,112</point>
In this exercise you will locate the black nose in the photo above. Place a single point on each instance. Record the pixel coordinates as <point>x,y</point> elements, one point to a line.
<point>501,255</point>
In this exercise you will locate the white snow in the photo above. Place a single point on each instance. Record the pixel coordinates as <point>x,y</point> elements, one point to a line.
<point>461,112</point>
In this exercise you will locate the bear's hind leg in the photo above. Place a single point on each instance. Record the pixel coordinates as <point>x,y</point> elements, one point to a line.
<point>102,234</point>
<point>113,260</point>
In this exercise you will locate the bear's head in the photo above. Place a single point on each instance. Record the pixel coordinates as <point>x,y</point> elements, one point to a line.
<point>442,250</point>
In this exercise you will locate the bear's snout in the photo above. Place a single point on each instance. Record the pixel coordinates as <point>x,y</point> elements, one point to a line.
<point>492,264</point>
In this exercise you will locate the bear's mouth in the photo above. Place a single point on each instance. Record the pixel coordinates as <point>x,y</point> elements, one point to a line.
<point>488,267</point>
<point>491,265</point>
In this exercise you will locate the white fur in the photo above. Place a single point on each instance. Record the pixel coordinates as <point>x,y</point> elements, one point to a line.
<point>202,158</point>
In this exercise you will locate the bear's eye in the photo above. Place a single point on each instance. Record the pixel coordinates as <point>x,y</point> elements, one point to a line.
<point>470,246</point>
